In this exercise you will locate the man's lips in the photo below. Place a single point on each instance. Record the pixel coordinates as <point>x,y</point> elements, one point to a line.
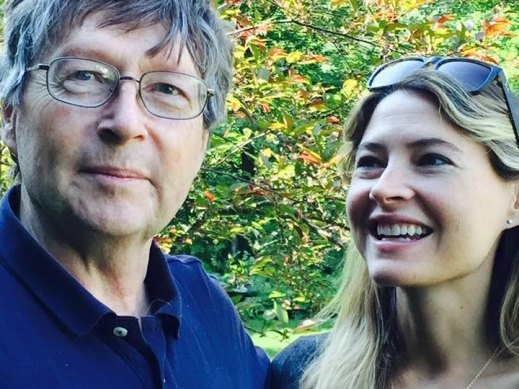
<point>115,172</point>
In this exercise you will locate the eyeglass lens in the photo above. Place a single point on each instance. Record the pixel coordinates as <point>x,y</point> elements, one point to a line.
<point>81,82</point>
<point>472,76</point>
<point>395,72</point>
<point>90,83</point>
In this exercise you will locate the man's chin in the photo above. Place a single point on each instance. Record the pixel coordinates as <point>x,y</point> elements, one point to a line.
<point>119,222</point>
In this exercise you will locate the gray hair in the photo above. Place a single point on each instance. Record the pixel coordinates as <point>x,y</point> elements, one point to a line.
<point>33,26</point>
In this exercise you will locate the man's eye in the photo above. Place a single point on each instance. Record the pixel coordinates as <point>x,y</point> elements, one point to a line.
<point>433,159</point>
<point>83,75</point>
<point>167,89</point>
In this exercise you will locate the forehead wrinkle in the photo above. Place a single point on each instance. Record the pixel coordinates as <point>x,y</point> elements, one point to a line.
<point>171,44</point>
<point>175,34</point>
<point>169,58</point>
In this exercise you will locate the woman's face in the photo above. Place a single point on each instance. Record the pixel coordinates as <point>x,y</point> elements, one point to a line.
<point>425,205</point>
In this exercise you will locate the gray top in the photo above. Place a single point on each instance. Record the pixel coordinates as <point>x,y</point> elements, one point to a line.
<point>288,366</point>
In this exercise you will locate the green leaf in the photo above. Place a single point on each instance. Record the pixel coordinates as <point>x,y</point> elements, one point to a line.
<point>281,313</point>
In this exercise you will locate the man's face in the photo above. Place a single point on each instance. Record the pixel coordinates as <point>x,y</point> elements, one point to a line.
<point>116,169</point>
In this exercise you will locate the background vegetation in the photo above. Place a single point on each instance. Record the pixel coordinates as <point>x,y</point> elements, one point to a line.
<point>266,214</point>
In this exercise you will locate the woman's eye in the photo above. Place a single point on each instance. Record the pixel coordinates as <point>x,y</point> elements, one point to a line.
<point>368,162</point>
<point>433,160</point>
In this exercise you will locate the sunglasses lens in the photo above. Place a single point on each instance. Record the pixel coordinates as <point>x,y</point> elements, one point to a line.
<point>472,76</point>
<point>394,72</point>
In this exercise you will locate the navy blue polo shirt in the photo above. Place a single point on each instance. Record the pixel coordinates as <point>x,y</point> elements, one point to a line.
<point>55,334</point>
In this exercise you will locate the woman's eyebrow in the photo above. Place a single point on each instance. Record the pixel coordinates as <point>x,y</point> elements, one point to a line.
<point>418,143</point>
<point>370,146</point>
<point>426,142</point>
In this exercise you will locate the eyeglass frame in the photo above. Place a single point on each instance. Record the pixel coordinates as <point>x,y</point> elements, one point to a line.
<point>496,73</point>
<point>46,67</point>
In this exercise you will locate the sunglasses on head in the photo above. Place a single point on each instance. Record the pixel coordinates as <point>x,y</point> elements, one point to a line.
<point>474,76</point>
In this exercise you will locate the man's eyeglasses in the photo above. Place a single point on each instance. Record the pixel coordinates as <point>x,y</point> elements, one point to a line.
<point>87,83</point>
<point>473,76</point>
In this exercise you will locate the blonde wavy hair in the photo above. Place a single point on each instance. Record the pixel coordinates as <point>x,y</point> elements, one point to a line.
<point>364,345</point>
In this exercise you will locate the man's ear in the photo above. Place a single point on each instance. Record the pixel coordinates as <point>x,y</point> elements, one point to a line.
<point>8,131</point>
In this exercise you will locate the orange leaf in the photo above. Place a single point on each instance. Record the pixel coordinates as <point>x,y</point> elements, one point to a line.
<point>319,58</point>
<point>488,58</point>
<point>209,196</point>
<point>242,21</point>
<point>264,107</point>
<point>163,239</point>
<point>299,79</point>
<point>332,120</point>
<point>234,104</point>
<point>256,190</point>
<point>497,27</point>
<point>308,158</point>
<point>164,242</point>
<point>303,93</point>
<point>444,18</point>
<point>277,53</point>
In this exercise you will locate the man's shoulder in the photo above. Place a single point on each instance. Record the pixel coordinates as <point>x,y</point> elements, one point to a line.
<point>190,277</point>
<point>187,267</point>
<point>289,365</point>
<point>184,261</point>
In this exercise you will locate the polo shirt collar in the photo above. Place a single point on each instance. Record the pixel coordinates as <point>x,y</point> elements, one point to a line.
<point>60,292</point>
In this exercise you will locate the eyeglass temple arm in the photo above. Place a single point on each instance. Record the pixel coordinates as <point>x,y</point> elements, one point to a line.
<point>512,105</point>
<point>40,66</point>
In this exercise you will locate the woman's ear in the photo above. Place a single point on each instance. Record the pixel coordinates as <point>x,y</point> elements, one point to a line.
<point>8,129</point>
<point>513,219</point>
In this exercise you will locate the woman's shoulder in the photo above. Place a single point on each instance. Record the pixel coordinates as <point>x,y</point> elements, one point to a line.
<point>288,366</point>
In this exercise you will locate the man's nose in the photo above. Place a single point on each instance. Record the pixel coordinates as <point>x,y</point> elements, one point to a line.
<point>124,115</point>
<point>393,186</point>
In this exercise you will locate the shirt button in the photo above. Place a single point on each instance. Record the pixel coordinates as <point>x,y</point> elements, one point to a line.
<point>121,332</point>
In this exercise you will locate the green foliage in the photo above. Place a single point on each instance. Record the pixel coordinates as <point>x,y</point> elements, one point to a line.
<point>266,214</point>
<point>5,169</point>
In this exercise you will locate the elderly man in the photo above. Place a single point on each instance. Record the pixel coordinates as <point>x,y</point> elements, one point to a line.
<point>107,108</point>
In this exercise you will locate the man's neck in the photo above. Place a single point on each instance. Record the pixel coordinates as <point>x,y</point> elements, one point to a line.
<point>112,269</point>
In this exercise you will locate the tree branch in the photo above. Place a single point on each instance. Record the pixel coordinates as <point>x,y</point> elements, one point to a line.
<point>312,27</point>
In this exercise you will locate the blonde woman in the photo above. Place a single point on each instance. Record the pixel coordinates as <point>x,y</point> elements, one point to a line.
<point>430,291</point>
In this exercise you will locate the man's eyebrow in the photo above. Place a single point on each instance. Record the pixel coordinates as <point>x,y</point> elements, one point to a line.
<point>78,51</point>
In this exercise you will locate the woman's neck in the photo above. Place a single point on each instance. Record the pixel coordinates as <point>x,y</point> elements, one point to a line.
<point>445,329</point>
